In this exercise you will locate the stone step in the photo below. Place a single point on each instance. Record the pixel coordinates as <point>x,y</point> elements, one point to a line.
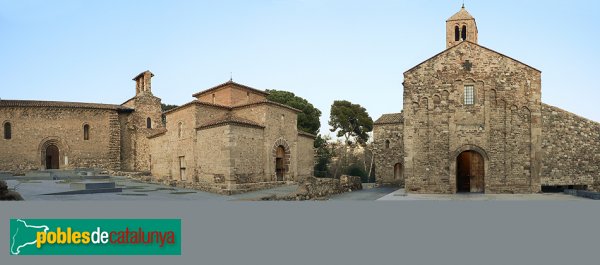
<point>92,185</point>
<point>91,191</point>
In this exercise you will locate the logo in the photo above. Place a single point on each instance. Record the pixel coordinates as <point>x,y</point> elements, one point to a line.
<point>95,236</point>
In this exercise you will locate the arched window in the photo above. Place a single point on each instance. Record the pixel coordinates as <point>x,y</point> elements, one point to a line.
<point>464,33</point>
<point>148,123</point>
<point>387,144</point>
<point>456,33</point>
<point>179,129</point>
<point>7,131</point>
<point>86,132</point>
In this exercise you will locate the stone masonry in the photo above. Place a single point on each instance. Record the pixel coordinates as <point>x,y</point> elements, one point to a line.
<point>472,115</point>
<point>227,140</point>
<point>84,135</point>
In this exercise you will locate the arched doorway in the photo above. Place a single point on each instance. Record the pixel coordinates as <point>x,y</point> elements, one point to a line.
<point>397,171</point>
<point>52,157</point>
<point>280,163</point>
<point>470,172</point>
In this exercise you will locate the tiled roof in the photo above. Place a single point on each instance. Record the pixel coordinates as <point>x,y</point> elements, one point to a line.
<point>157,132</point>
<point>390,118</point>
<point>230,82</point>
<point>267,102</point>
<point>196,102</point>
<point>142,73</point>
<point>463,14</point>
<point>61,104</point>
<point>229,119</point>
<point>307,134</point>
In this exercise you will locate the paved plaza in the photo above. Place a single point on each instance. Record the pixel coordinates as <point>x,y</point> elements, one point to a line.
<point>38,190</point>
<point>401,195</point>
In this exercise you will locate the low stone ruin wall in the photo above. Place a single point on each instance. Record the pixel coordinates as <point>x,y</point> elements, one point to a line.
<point>320,188</point>
<point>218,188</point>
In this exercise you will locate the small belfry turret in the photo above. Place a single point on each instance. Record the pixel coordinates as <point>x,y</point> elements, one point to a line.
<point>460,27</point>
<point>143,83</point>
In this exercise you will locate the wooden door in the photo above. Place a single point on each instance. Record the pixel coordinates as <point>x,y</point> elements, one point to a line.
<point>397,171</point>
<point>463,180</point>
<point>52,157</point>
<point>280,163</point>
<point>470,172</point>
<point>477,172</point>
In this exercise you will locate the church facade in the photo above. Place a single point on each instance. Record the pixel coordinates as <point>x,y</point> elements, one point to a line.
<point>229,139</point>
<point>472,120</point>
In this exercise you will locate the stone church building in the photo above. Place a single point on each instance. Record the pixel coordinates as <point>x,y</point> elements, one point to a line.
<point>230,138</point>
<point>472,120</point>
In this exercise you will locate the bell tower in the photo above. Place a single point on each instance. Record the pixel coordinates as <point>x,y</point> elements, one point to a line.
<point>143,83</point>
<point>460,27</point>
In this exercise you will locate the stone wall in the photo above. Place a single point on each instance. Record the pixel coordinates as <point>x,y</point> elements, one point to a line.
<point>571,147</point>
<point>146,106</point>
<point>34,128</point>
<point>388,146</point>
<point>127,155</point>
<point>306,157</point>
<point>230,95</point>
<point>213,154</point>
<point>280,129</point>
<point>247,154</point>
<point>230,148</point>
<point>160,160</point>
<point>503,125</point>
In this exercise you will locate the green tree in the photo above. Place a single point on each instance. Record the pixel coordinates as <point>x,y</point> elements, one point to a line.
<point>358,171</point>
<point>165,107</point>
<point>324,155</point>
<point>308,120</point>
<point>350,121</point>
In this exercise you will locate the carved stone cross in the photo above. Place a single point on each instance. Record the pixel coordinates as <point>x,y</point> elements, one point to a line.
<point>467,65</point>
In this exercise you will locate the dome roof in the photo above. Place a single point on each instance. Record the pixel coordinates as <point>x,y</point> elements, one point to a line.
<point>463,14</point>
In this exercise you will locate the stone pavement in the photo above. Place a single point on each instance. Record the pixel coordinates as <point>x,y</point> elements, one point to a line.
<point>34,190</point>
<point>366,194</point>
<point>401,195</point>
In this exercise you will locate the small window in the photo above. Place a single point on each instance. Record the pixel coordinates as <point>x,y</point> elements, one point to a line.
<point>213,98</point>
<point>7,131</point>
<point>179,129</point>
<point>148,123</point>
<point>456,33</point>
<point>387,144</point>
<point>464,33</point>
<point>86,132</point>
<point>469,95</point>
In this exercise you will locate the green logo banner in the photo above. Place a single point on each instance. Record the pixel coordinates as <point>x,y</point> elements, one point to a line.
<point>95,236</point>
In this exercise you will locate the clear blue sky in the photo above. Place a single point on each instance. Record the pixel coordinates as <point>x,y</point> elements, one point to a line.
<point>321,50</point>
